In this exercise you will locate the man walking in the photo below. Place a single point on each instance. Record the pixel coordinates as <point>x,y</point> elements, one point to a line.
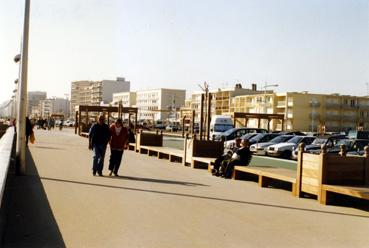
<point>99,137</point>
<point>118,142</point>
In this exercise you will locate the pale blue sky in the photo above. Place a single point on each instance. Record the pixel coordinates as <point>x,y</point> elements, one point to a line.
<point>317,45</point>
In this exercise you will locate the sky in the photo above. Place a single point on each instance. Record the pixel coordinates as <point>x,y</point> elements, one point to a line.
<point>301,45</point>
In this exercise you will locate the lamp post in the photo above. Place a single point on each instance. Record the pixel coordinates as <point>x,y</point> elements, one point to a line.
<point>22,93</point>
<point>266,85</point>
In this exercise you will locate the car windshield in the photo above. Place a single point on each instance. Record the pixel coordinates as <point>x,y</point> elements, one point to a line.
<point>346,142</point>
<point>248,136</point>
<point>229,131</point>
<point>295,139</point>
<point>258,136</point>
<point>280,139</point>
<point>319,141</point>
<point>222,127</point>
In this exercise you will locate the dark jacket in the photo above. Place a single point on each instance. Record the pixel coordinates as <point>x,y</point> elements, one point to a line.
<point>244,155</point>
<point>99,134</point>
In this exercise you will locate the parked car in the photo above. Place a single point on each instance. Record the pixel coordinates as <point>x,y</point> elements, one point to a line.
<point>229,144</point>
<point>352,145</point>
<point>238,132</point>
<point>358,134</point>
<point>261,148</point>
<point>284,150</point>
<point>172,128</point>
<point>327,140</point>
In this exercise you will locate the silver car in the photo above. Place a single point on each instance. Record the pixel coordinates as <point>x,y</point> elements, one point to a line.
<point>261,148</point>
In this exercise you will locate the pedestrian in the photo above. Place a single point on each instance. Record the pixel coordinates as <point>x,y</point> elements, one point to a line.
<point>29,129</point>
<point>99,136</point>
<point>118,142</point>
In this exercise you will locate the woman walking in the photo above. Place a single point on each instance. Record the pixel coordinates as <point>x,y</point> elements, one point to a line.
<point>118,142</point>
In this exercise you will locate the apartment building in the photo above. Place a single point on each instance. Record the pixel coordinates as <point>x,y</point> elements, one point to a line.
<point>34,98</point>
<point>308,112</point>
<point>54,106</point>
<point>128,99</point>
<point>95,93</point>
<point>159,104</point>
<point>221,99</point>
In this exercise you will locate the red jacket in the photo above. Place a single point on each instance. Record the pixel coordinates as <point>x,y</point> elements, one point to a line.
<point>118,142</point>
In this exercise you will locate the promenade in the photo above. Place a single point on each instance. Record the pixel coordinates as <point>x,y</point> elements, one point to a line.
<point>155,203</point>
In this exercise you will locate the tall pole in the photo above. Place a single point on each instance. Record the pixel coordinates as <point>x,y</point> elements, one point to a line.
<point>22,102</point>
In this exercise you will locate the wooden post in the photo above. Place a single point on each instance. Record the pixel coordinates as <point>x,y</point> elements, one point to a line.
<point>208,117</point>
<point>76,121</point>
<point>343,151</point>
<point>282,124</point>
<point>183,126</point>
<point>366,165</point>
<point>185,150</point>
<point>259,122</point>
<point>201,116</point>
<point>193,122</point>
<point>299,169</point>
<point>322,174</point>
<point>246,120</point>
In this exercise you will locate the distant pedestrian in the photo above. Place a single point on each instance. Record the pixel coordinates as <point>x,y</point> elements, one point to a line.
<point>99,137</point>
<point>29,129</point>
<point>118,142</point>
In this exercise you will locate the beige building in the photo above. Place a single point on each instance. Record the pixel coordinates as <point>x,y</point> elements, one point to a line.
<point>128,99</point>
<point>221,102</point>
<point>159,104</point>
<point>96,93</point>
<point>307,112</point>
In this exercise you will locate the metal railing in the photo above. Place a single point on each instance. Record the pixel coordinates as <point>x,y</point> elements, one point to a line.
<point>6,156</point>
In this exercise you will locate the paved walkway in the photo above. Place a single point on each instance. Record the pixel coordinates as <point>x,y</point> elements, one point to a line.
<point>156,203</point>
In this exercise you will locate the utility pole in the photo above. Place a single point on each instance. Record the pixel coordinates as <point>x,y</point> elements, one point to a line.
<point>22,101</point>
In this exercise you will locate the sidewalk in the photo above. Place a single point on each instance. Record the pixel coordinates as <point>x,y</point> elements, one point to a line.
<point>156,203</point>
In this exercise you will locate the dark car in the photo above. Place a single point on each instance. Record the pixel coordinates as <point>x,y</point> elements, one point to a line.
<point>262,137</point>
<point>352,145</point>
<point>327,140</point>
<point>238,132</point>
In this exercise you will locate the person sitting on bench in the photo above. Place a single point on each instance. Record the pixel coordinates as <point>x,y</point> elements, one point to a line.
<point>241,157</point>
<point>223,160</point>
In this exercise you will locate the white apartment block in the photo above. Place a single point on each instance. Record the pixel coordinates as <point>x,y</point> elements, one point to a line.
<point>128,99</point>
<point>159,104</point>
<point>95,93</point>
<point>55,106</point>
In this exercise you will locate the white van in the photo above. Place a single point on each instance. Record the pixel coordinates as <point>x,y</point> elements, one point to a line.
<point>220,124</point>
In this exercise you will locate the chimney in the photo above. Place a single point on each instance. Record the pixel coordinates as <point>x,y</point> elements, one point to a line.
<point>253,87</point>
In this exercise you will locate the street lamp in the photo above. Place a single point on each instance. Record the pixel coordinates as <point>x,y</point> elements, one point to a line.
<point>22,92</point>
<point>266,85</point>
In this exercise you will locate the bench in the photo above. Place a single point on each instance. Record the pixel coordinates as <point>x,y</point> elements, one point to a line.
<point>173,154</point>
<point>267,174</point>
<point>200,162</point>
<point>353,191</point>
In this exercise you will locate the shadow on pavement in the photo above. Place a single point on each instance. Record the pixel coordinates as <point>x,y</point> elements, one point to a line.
<point>207,198</point>
<point>30,221</point>
<point>152,180</point>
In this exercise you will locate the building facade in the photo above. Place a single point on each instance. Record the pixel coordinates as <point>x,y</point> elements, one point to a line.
<point>55,106</point>
<point>95,93</point>
<point>128,99</point>
<point>308,112</point>
<point>159,104</point>
<point>221,102</point>
<point>34,98</point>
